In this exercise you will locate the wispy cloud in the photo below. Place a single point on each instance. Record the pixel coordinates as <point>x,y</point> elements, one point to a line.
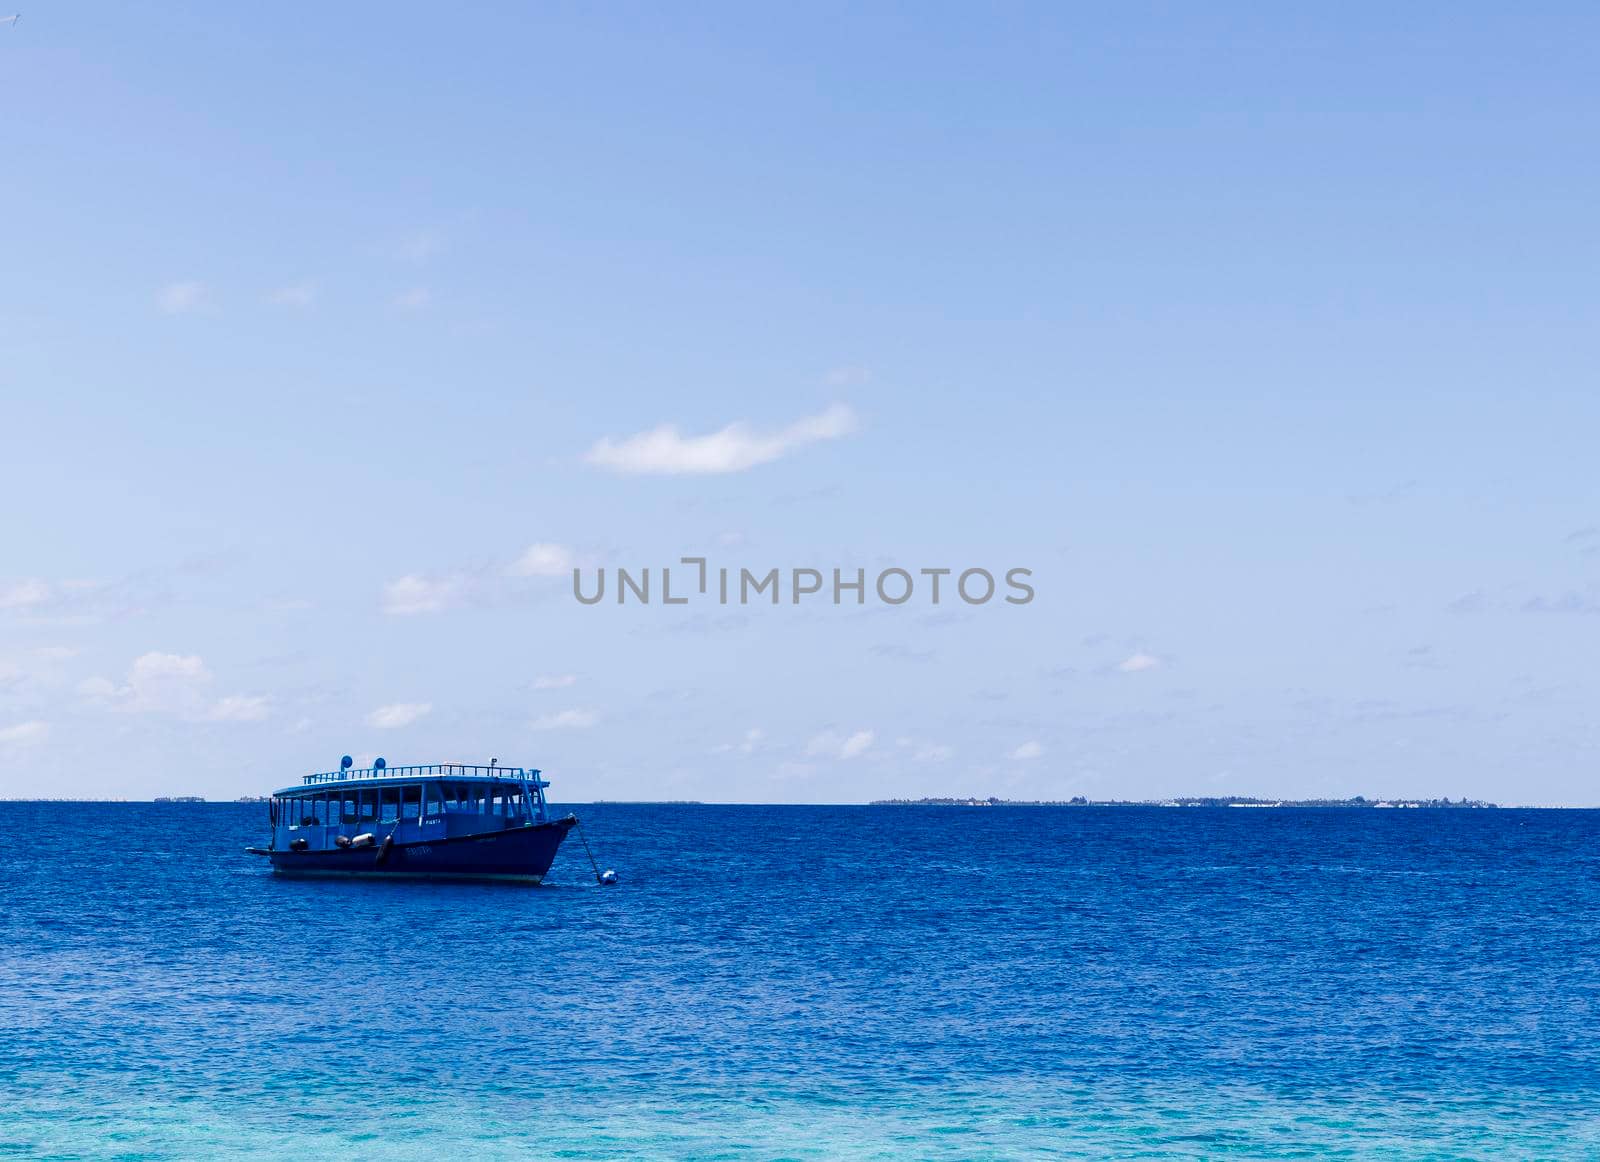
<point>926,752</point>
<point>413,298</point>
<point>298,295</point>
<point>24,594</point>
<point>1028,750</point>
<point>554,681</point>
<point>415,594</point>
<point>566,720</point>
<point>1569,602</point>
<point>481,585</point>
<point>1138,663</point>
<point>850,375</point>
<point>183,298</point>
<point>398,714</point>
<point>241,708</point>
<point>544,560</point>
<point>829,744</point>
<point>735,448</point>
<point>24,733</point>
<point>747,745</point>
<point>416,247</point>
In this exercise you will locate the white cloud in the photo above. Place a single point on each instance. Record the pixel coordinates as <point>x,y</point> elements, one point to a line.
<point>837,746</point>
<point>24,594</point>
<point>413,299</point>
<point>1138,663</point>
<point>416,247</point>
<point>75,602</point>
<point>299,295</point>
<point>156,666</point>
<point>554,681</point>
<point>1028,750</point>
<point>178,684</point>
<point>24,733</point>
<point>544,560</point>
<point>182,298</point>
<point>397,715</point>
<point>480,584</point>
<point>848,376</point>
<point>241,708</point>
<point>925,752</point>
<point>735,448</point>
<point>566,720</point>
<point>99,689</point>
<point>752,739</point>
<point>415,594</point>
<point>160,683</point>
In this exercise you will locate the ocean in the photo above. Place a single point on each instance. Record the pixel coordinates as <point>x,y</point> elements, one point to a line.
<point>814,982</point>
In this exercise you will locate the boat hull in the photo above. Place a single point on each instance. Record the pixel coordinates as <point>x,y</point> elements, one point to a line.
<point>517,854</point>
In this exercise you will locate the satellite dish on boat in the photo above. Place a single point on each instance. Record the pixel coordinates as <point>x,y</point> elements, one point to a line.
<point>345,763</point>
<point>378,764</point>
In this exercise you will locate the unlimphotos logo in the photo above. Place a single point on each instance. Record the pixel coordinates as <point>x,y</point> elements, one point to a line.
<point>742,586</point>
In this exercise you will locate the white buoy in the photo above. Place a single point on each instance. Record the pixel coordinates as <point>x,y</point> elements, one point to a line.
<point>608,876</point>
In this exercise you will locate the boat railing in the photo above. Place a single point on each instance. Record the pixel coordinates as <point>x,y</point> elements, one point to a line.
<point>444,769</point>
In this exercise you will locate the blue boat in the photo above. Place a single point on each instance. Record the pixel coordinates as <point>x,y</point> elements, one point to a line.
<point>442,820</point>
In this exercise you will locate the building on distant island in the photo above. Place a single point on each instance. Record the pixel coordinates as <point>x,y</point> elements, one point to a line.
<point>180,799</point>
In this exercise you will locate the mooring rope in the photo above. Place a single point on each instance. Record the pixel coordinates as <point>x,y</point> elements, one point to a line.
<point>589,853</point>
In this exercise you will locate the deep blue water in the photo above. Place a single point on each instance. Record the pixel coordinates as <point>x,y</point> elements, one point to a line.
<point>815,982</point>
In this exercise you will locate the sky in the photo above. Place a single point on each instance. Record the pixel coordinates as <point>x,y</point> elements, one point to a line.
<point>332,341</point>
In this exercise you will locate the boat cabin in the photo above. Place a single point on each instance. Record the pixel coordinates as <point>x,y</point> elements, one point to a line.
<point>414,804</point>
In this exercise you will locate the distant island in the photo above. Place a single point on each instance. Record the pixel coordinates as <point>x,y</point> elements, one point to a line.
<point>649,802</point>
<point>1200,801</point>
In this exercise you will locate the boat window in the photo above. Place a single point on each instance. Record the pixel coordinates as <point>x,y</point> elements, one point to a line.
<point>389,803</point>
<point>347,809</point>
<point>410,802</point>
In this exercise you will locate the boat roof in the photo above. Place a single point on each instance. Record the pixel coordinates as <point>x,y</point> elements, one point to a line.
<point>387,776</point>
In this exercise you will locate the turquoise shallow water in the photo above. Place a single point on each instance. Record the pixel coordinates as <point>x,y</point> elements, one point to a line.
<point>815,982</point>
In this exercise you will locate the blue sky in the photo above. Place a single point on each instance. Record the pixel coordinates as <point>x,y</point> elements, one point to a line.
<point>1264,338</point>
